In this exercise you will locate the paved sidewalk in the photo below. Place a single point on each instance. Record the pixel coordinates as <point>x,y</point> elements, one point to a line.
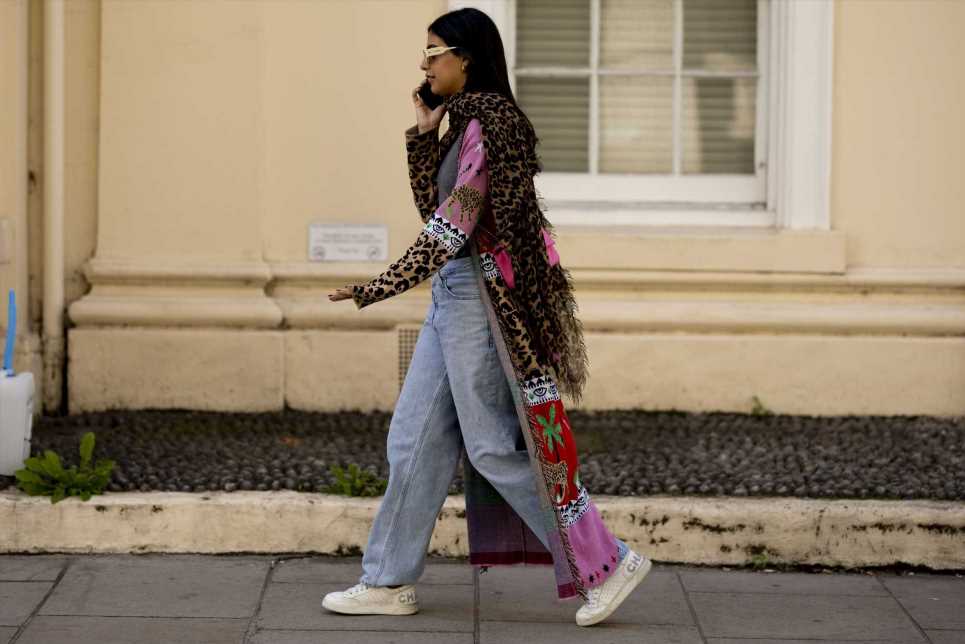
<point>210,599</point>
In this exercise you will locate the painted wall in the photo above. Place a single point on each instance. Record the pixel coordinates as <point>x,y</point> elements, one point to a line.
<point>203,138</point>
<point>899,139</point>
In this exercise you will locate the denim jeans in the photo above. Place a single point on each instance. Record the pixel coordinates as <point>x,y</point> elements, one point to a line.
<point>455,395</point>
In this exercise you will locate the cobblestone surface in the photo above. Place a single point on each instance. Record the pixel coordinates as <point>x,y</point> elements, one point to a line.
<point>621,452</point>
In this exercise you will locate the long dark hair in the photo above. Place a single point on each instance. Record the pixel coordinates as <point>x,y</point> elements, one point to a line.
<point>478,40</point>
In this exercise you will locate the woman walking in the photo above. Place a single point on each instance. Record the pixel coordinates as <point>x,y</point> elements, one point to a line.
<point>498,344</point>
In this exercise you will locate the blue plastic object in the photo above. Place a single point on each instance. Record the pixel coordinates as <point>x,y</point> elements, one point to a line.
<point>11,332</point>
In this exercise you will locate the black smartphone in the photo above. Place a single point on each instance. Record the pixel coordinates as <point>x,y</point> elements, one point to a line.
<point>432,101</point>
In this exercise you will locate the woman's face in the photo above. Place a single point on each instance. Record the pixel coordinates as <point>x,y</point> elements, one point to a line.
<point>444,72</point>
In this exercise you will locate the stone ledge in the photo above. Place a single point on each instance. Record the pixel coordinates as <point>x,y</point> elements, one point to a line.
<point>175,270</point>
<point>299,277</point>
<point>656,314</point>
<point>184,309</point>
<point>696,530</point>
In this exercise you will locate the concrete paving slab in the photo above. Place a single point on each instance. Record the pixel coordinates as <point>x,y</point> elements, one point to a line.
<point>159,586</point>
<point>493,632</point>
<point>31,567</point>
<point>19,598</point>
<point>210,598</point>
<point>528,594</point>
<point>75,629</point>
<point>934,601</point>
<point>347,570</point>
<point>358,637</point>
<point>745,581</point>
<point>946,637</point>
<point>299,606</point>
<point>729,640</point>
<point>524,594</point>
<point>785,616</point>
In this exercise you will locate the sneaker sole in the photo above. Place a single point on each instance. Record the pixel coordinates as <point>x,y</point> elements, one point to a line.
<point>632,583</point>
<point>402,609</point>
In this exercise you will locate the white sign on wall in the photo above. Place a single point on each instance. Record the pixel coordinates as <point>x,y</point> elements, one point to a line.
<point>348,242</point>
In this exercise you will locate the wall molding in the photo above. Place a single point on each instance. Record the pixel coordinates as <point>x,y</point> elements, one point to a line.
<point>262,295</point>
<point>174,270</point>
<point>174,292</point>
<point>667,314</point>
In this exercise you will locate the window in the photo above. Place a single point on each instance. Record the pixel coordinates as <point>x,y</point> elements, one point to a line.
<point>674,111</point>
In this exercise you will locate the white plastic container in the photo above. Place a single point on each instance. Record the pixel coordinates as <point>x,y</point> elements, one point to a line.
<point>16,419</point>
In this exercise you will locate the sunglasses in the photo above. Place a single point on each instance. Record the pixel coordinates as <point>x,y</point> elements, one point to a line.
<point>435,51</point>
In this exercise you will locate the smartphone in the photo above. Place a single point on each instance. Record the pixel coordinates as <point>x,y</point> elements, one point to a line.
<point>432,101</point>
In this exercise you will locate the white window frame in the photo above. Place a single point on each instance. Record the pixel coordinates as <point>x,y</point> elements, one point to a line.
<point>797,88</point>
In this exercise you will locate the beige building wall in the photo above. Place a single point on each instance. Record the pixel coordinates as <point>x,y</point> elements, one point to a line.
<point>17,191</point>
<point>899,152</point>
<point>202,139</point>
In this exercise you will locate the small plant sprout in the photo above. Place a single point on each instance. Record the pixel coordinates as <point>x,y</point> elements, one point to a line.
<point>47,476</point>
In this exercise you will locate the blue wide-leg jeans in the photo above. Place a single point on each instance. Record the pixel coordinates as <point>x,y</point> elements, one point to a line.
<point>455,395</point>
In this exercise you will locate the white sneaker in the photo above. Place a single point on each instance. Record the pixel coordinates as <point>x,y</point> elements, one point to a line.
<point>605,598</point>
<point>363,599</point>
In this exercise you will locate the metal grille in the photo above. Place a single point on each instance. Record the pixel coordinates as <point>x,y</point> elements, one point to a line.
<point>408,334</point>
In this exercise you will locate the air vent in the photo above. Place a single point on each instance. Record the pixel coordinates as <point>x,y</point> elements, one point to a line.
<point>408,334</point>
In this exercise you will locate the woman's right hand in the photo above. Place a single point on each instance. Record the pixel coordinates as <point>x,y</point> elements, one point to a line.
<point>425,118</point>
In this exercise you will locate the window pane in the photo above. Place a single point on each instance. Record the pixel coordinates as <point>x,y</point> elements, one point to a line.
<point>636,118</point>
<point>718,125</point>
<point>559,109</point>
<point>636,33</point>
<point>553,32</point>
<point>720,34</point>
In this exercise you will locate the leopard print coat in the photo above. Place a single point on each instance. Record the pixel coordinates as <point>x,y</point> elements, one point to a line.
<point>540,310</point>
<point>493,207</point>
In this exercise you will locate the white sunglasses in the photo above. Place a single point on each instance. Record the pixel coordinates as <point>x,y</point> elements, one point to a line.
<point>435,51</point>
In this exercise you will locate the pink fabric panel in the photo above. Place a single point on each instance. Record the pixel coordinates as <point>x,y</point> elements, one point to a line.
<point>501,255</point>
<point>595,546</point>
<point>554,257</point>
<point>473,171</point>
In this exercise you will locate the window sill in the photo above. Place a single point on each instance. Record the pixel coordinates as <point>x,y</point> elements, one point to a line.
<point>613,215</point>
<point>701,249</point>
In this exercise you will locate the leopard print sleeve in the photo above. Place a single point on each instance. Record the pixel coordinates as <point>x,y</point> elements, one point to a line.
<point>446,230</point>
<point>423,154</point>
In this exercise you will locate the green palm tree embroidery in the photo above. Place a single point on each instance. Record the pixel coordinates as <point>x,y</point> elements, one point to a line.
<point>551,429</point>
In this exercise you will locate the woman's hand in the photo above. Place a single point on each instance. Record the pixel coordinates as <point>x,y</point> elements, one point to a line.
<point>340,294</point>
<point>425,118</point>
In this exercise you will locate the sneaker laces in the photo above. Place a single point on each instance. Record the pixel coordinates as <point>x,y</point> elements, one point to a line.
<point>356,589</point>
<point>593,596</point>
